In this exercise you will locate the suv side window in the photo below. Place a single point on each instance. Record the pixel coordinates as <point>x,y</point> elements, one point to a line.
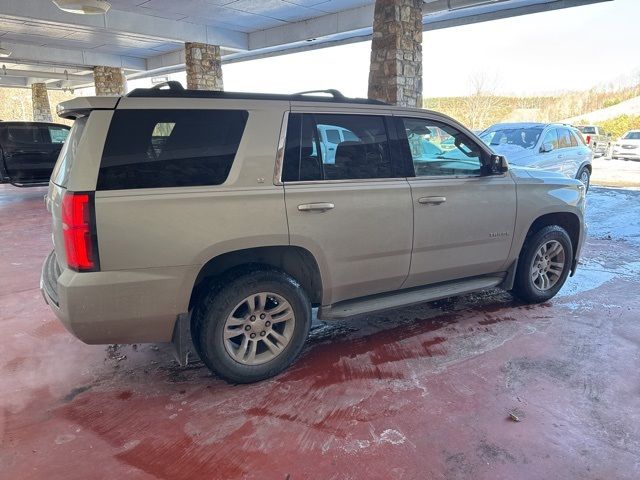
<point>23,134</point>
<point>574,142</point>
<point>564,138</point>
<point>363,154</point>
<point>57,135</point>
<point>438,149</point>
<point>170,148</point>
<point>551,137</point>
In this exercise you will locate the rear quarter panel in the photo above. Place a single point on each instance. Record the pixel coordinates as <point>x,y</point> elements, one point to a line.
<point>188,226</point>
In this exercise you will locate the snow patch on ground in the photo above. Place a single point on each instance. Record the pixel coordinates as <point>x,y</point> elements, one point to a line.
<point>585,280</point>
<point>614,213</point>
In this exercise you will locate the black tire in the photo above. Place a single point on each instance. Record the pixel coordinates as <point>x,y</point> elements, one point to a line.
<point>582,171</point>
<point>214,307</point>
<point>524,287</point>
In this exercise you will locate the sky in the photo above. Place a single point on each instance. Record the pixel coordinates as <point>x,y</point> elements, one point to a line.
<point>571,49</point>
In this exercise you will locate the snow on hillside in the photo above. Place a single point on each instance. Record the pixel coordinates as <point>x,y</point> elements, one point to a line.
<point>628,107</point>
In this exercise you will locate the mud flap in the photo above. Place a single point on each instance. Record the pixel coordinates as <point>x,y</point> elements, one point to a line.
<point>181,339</point>
<point>510,277</point>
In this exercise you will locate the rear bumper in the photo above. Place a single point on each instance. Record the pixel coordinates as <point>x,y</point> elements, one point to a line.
<point>118,306</point>
<point>626,153</point>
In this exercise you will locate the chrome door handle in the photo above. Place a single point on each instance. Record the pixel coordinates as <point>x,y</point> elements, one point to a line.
<point>432,200</point>
<point>316,207</point>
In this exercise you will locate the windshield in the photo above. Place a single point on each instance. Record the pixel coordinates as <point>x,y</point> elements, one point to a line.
<point>591,130</point>
<point>632,136</point>
<point>522,137</point>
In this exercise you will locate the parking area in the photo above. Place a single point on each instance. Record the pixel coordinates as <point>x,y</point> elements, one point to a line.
<point>481,386</point>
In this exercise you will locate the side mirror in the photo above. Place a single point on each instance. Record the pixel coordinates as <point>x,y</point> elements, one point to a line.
<point>547,147</point>
<point>498,165</point>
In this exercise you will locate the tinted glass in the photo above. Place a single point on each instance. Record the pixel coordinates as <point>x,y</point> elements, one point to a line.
<point>333,136</point>
<point>438,149</point>
<point>564,138</point>
<point>23,135</point>
<point>632,136</point>
<point>590,130</point>
<point>170,148</point>
<point>57,134</point>
<point>310,155</point>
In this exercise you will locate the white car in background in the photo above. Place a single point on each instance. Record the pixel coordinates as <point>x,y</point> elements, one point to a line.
<point>547,146</point>
<point>628,147</point>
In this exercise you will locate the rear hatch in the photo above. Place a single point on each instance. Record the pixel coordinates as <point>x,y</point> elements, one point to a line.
<point>75,173</point>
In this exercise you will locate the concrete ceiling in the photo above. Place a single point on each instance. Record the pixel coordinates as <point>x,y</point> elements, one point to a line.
<point>146,37</point>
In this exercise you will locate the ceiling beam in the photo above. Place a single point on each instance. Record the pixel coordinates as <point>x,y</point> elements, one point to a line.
<point>67,57</point>
<point>13,82</point>
<point>340,26</point>
<point>44,75</point>
<point>117,21</point>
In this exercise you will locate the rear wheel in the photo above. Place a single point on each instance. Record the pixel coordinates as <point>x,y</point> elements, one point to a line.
<point>544,265</point>
<point>253,327</point>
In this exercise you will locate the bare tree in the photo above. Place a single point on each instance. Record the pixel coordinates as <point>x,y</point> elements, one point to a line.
<point>481,105</point>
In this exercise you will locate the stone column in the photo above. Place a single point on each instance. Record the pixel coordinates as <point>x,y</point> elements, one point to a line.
<point>395,74</point>
<point>109,81</point>
<point>40,100</point>
<point>204,66</point>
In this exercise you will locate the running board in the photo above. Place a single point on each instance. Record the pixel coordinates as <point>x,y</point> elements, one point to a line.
<point>403,298</point>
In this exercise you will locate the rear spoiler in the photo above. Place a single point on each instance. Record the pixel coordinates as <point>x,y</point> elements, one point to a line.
<point>82,106</point>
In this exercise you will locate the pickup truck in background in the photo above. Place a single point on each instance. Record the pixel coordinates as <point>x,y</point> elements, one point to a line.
<point>29,150</point>
<point>595,138</point>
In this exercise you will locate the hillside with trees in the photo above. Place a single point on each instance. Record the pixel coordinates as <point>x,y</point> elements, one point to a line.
<point>483,108</point>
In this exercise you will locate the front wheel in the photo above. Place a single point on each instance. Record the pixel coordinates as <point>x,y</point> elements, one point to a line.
<point>544,265</point>
<point>254,327</point>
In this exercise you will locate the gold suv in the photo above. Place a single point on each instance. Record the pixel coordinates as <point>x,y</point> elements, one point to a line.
<point>232,215</point>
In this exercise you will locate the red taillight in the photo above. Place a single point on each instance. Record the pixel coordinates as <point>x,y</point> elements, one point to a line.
<point>587,139</point>
<point>79,232</point>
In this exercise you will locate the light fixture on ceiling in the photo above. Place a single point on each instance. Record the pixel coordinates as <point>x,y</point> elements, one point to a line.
<point>83,7</point>
<point>4,53</point>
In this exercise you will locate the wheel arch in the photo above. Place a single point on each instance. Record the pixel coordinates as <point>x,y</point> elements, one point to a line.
<point>293,260</point>
<point>569,221</point>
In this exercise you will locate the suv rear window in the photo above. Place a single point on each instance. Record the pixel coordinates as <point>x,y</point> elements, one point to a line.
<point>170,148</point>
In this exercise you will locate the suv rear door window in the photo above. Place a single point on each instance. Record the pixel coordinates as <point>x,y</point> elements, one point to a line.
<point>170,148</point>
<point>24,134</point>
<point>564,138</point>
<point>311,156</point>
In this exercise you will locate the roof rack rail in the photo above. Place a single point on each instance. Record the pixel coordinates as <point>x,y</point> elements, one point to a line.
<point>174,89</point>
<point>331,91</point>
<point>170,84</point>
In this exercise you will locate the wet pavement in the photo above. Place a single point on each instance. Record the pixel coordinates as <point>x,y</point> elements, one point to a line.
<point>482,387</point>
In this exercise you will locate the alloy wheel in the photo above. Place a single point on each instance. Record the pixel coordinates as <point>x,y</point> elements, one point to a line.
<point>548,265</point>
<point>259,328</point>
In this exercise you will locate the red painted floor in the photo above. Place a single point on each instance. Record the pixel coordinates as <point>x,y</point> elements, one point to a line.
<point>422,393</point>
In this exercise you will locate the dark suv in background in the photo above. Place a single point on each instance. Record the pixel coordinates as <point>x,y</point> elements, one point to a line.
<point>29,150</point>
